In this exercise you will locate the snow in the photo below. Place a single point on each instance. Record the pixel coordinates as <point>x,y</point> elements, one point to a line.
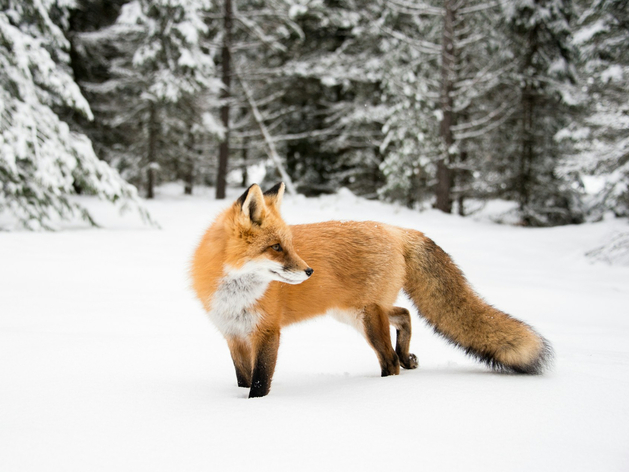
<point>109,363</point>
<point>41,159</point>
<point>586,33</point>
<point>296,11</point>
<point>613,73</point>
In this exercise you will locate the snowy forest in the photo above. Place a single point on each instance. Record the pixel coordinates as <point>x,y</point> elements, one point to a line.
<point>443,104</point>
<point>499,129</point>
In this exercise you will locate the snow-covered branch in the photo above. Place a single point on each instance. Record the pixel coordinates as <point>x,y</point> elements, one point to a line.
<point>490,127</point>
<point>477,8</point>
<point>421,45</point>
<point>485,119</point>
<point>259,33</point>
<point>415,8</point>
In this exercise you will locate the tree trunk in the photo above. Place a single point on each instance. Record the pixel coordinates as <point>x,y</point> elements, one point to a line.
<point>245,174</point>
<point>190,167</point>
<point>152,150</point>
<point>462,178</point>
<point>444,173</point>
<point>223,153</point>
<point>527,155</point>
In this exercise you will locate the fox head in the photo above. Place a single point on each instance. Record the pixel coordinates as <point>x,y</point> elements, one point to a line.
<point>261,242</point>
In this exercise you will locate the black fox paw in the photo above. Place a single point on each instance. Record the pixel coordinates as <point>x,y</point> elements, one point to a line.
<point>411,363</point>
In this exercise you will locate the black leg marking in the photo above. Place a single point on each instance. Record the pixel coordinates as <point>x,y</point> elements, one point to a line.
<point>266,357</point>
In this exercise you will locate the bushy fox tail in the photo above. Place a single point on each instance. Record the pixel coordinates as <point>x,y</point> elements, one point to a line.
<point>443,297</point>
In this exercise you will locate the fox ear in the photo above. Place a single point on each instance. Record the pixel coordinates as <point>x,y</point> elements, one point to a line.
<point>274,195</point>
<point>252,204</point>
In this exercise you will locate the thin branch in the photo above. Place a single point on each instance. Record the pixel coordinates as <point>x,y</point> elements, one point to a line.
<point>482,75</point>
<point>422,46</point>
<point>267,137</point>
<point>247,14</point>
<point>485,119</point>
<point>416,8</point>
<point>271,98</point>
<point>306,135</point>
<point>256,31</point>
<point>237,47</point>
<point>477,8</point>
<point>461,44</point>
<point>487,129</point>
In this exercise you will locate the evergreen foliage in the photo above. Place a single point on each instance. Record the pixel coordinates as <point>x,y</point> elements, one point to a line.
<point>43,162</point>
<point>540,41</point>
<point>157,94</point>
<point>443,103</point>
<point>334,75</point>
<point>444,65</point>
<point>600,137</point>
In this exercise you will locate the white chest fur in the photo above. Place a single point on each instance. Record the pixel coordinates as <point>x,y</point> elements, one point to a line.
<point>232,306</point>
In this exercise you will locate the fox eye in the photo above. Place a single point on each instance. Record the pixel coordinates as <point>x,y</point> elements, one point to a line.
<point>277,247</point>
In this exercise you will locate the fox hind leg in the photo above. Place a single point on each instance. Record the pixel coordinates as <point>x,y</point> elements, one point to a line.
<point>240,350</point>
<point>400,318</point>
<point>376,326</point>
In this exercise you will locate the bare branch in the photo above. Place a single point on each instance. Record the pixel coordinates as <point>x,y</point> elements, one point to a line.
<point>485,119</point>
<point>416,8</point>
<point>483,75</point>
<point>477,8</point>
<point>461,44</point>
<point>491,126</point>
<point>305,135</point>
<point>267,136</point>
<point>257,31</point>
<point>422,46</point>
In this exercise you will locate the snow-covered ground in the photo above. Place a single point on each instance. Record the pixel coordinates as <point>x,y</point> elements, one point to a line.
<point>108,363</point>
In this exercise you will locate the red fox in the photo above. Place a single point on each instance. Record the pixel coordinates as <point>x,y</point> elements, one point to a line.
<point>254,274</point>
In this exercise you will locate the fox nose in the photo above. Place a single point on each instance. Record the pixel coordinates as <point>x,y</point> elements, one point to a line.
<point>309,271</point>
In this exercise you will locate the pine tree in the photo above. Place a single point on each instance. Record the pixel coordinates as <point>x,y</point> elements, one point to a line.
<point>42,161</point>
<point>412,145</point>
<point>159,91</point>
<point>601,137</point>
<point>539,39</point>
<point>443,84</point>
<point>246,37</point>
<point>335,78</point>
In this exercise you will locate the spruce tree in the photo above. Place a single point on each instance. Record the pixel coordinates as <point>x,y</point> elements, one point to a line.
<point>159,91</point>
<point>334,76</point>
<point>443,89</point>
<point>600,138</point>
<point>42,161</point>
<point>248,41</point>
<point>539,38</point>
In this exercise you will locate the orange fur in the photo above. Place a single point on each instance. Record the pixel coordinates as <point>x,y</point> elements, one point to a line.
<point>359,270</point>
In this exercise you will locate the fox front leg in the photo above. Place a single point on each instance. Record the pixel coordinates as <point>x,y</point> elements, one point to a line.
<point>266,344</point>
<point>240,350</point>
